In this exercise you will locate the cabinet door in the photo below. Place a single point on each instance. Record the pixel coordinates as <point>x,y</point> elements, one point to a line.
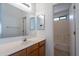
<point>34,53</point>
<point>42,50</point>
<point>20,53</point>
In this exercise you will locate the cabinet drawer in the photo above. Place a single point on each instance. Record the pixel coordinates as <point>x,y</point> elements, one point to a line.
<point>33,53</point>
<point>41,43</point>
<point>31,48</point>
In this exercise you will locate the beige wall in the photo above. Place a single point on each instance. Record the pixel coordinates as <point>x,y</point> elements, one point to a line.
<point>61,34</point>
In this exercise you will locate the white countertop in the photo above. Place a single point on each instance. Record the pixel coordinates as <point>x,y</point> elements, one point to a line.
<point>12,47</point>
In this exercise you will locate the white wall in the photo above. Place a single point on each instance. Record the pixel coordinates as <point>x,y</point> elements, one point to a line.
<point>0,12</point>
<point>47,10</point>
<point>32,13</point>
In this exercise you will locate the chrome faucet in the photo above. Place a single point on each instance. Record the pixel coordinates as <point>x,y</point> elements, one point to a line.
<point>25,39</point>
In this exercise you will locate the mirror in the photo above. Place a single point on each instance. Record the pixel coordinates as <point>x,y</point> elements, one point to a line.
<point>40,22</point>
<point>12,21</point>
<point>32,23</point>
<point>37,22</point>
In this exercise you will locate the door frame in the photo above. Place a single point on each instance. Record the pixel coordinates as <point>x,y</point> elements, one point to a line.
<point>73,41</point>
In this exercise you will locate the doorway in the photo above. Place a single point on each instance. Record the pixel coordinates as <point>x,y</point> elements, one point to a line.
<point>62,29</point>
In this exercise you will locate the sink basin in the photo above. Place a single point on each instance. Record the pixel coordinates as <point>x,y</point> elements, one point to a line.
<point>12,45</point>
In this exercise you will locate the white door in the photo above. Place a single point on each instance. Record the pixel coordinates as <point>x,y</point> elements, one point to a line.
<point>72,30</point>
<point>77,28</point>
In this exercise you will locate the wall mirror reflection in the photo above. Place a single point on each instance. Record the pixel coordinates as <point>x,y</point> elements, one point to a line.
<point>41,22</point>
<point>12,21</point>
<point>32,23</point>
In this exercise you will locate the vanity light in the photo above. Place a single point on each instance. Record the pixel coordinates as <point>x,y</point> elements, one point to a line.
<point>23,6</point>
<point>28,5</point>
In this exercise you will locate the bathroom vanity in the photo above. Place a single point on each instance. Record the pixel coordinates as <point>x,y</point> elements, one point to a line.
<point>37,49</point>
<point>32,47</point>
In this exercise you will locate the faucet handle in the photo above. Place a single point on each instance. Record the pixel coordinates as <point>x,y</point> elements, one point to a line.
<point>25,39</point>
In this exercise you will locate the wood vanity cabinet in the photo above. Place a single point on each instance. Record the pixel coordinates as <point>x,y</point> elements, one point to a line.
<point>37,49</point>
<point>32,50</point>
<point>19,53</point>
<point>42,48</point>
<point>33,53</point>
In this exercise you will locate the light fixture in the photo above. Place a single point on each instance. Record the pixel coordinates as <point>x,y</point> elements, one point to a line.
<point>28,5</point>
<point>23,6</point>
